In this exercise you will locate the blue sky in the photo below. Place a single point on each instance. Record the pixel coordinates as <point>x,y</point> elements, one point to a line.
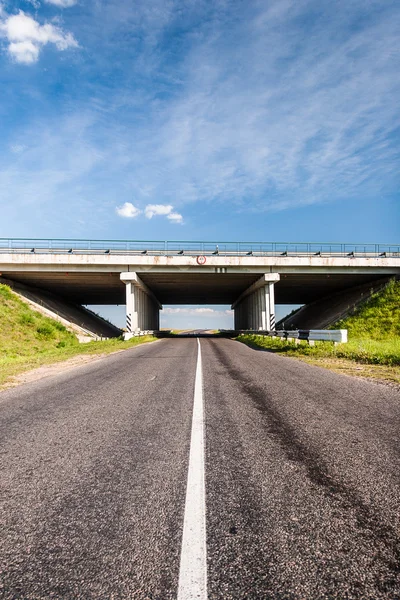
<point>192,119</point>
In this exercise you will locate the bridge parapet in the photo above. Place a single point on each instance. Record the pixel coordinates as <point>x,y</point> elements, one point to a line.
<point>195,248</point>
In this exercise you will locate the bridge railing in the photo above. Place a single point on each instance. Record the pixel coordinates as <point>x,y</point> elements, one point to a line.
<point>171,248</point>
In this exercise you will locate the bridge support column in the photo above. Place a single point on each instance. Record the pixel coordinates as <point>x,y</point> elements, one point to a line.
<point>142,307</point>
<point>255,308</point>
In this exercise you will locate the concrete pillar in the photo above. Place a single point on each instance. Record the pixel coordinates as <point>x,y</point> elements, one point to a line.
<point>131,307</point>
<point>263,310</point>
<point>139,309</point>
<point>255,322</point>
<point>255,307</point>
<point>272,321</point>
<point>142,306</point>
<point>151,314</point>
<point>130,304</point>
<point>267,307</point>
<point>251,312</point>
<point>146,312</point>
<point>259,309</point>
<point>246,313</point>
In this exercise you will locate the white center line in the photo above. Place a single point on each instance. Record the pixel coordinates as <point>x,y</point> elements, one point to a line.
<point>193,566</point>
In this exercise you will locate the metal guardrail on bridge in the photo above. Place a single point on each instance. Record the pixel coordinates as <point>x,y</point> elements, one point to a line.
<point>171,248</point>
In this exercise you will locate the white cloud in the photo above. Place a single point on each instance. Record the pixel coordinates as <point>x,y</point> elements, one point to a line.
<point>26,37</point>
<point>211,312</point>
<point>175,217</point>
<point>165,210</point>
<point>24,52</point>
<point>128,211</point>
<point>62,3</point>
<point>157,209</point>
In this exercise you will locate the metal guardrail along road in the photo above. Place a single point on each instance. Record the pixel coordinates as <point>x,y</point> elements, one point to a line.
<point>339,336</point>
<point>172,248</point>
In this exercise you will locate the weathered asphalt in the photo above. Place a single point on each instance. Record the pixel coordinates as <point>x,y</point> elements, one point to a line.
<point>94,469</point>
<point>302,479</point>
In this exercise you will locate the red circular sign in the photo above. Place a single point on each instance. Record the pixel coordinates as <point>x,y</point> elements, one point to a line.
<point>201,260</point>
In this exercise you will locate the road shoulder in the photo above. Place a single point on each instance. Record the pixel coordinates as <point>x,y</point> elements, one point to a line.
<point>383,374</point>
<point>61,366</point>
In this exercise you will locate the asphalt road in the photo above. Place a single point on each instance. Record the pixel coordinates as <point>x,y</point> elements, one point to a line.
<point>302,472</point>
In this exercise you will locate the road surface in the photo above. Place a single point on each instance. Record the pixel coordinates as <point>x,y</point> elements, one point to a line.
<point>301,469</point>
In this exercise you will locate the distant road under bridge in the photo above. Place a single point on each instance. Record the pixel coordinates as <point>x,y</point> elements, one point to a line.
<point>252,277</point>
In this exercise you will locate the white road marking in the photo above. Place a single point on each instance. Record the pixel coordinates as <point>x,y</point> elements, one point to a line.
<point>193,566</point>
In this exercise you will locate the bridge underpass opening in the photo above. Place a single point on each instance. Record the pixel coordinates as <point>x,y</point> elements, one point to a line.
<point>251,296</point>
<point>189,317</point>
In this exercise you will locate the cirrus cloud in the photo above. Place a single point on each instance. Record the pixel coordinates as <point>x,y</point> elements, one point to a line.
<point>62,3</point>
<point>202,311</point>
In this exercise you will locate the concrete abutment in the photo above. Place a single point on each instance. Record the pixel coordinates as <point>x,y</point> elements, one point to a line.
<point>255,308</point>
<point>142,306</point>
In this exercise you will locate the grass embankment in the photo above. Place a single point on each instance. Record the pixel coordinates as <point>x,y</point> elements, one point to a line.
<point>28,339</point>
<point>373,349</point>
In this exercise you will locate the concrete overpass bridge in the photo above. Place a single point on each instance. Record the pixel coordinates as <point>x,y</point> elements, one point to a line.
<point>251,277</point>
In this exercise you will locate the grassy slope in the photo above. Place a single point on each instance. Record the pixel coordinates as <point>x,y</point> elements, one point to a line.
<point>28,339</point>
<point>373,333</point>
<point>376,319</point>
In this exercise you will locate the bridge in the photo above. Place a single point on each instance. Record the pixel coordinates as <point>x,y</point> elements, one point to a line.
<point>250,276</point>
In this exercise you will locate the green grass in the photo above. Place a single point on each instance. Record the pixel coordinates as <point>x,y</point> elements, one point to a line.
<point>374,352</point>
<point>28,339</point>
<point>373,334</point>
<point>376,319</point>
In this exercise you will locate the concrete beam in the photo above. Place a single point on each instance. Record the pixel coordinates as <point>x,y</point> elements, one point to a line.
<point>117,262</point>
<point>132,277</point>
<point>265,279</point>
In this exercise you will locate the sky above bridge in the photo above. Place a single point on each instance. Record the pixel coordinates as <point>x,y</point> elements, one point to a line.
<point>197,119</point>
